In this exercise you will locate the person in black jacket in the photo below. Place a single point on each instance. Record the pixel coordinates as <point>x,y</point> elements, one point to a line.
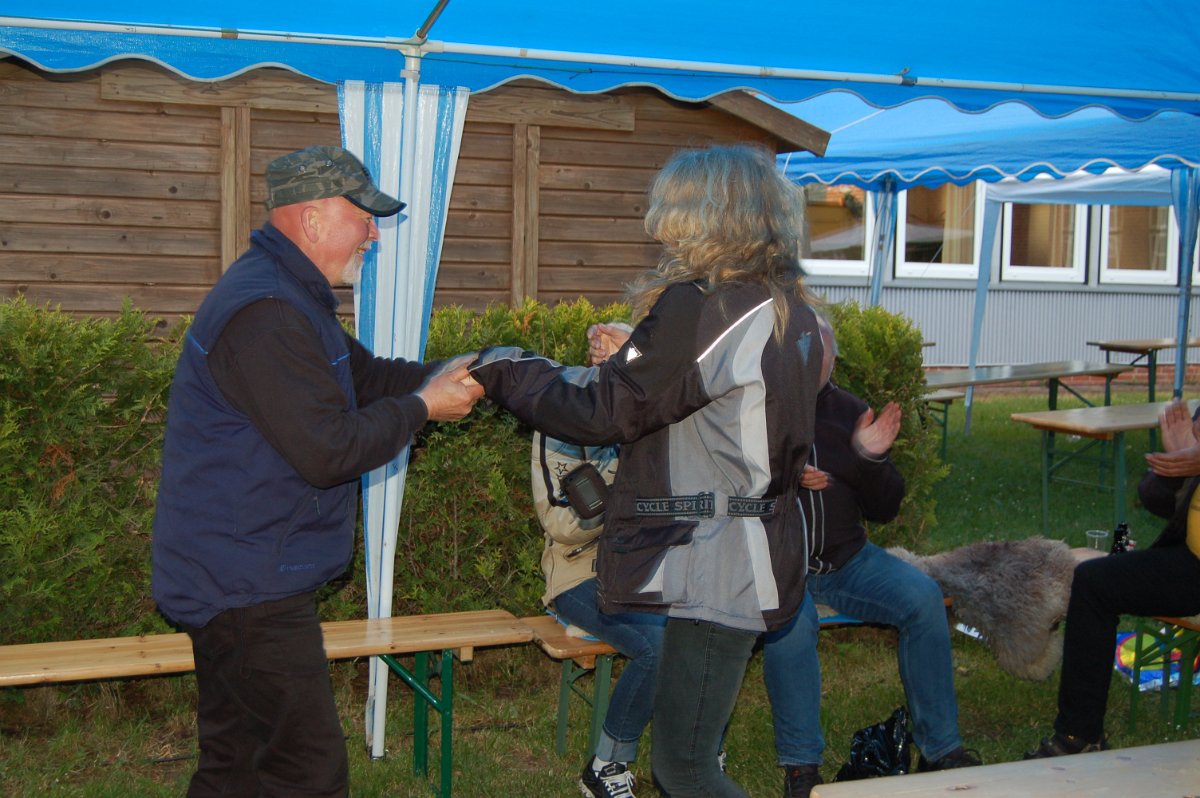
<point>849,478</point>
<point>275,412</point>
<point>1163,579</point>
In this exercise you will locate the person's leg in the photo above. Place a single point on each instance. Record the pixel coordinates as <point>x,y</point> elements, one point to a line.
<point>266,682</point>
<point>1154,581</point>
<point>792,673</point>
<point>877,587</point>
<point>638,636</point>
<point>702,668</point>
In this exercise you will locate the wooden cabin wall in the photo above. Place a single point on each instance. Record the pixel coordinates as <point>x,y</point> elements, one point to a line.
<point>129,182</point>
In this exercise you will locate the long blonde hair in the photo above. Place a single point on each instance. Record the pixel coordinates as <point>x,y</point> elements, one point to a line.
<point>725,214</point>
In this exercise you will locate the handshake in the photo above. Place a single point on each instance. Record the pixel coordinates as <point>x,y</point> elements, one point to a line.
<point>451,392</point>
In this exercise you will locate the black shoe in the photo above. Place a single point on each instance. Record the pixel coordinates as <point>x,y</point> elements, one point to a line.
<point>958,758</point>
<point>613,781</point>
<point>1060,744</point>
<point>798,780</point>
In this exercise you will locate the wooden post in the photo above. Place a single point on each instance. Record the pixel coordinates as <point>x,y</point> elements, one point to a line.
<point>527,143</point>
<point>235,183</point>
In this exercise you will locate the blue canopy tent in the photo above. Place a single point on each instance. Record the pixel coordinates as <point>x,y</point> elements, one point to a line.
<point>929,143</point>
<point>405,70</point>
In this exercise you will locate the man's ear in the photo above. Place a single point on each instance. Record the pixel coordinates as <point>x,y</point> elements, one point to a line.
<point>310,223</point>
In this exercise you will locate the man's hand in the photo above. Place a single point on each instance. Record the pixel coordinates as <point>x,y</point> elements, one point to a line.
<point>605,339</point>
<point>450,395</point>
<point>874,436</point>
<point>1177,429</point>
<point>1181,443</point>
<point>814,478</point>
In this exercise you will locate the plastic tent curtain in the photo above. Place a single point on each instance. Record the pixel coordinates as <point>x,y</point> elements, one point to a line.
<point>408,137</point>
<point>987,252</point>
<point>1185,198</point>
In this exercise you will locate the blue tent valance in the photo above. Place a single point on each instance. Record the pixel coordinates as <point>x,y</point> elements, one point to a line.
<point>1056,57</point>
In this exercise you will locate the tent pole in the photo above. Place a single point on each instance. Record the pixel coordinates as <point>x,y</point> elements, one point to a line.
<point>1185,199</point>
<point>987,246</point>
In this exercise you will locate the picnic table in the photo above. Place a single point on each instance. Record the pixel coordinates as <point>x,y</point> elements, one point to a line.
<point>1146,349</point>
<point>1101,425</point>
<point>1053,373</point>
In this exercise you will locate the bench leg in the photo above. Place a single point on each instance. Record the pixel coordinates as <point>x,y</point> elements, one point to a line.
<point>601,691</point>
<point>423,699</point>
<point>566,678</point>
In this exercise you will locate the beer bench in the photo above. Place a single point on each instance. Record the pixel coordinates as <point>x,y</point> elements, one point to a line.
<point>578,656</point>
<point>938,403</point>
<point>453,633</point>
<point>1169,769</point>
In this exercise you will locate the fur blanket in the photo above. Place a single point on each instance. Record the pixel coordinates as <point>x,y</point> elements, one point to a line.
<point>1013,592</point>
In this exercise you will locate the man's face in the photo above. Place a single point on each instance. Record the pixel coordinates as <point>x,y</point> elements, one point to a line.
<point>347,232</point>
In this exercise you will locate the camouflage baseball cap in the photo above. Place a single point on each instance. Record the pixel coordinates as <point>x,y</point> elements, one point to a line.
<point>321,172</point>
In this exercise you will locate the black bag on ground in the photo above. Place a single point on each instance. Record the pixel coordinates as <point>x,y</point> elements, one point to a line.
<point>879,750</point>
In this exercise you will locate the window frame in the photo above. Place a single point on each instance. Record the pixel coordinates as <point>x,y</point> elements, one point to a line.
<point>921,270</point>
<point>1076,274</point>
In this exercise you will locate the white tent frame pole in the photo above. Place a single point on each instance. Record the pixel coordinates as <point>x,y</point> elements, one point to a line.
<point>417,47</point>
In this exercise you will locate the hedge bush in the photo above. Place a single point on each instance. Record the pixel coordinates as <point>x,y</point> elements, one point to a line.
<point>81,409</point>
<point>81,419</point>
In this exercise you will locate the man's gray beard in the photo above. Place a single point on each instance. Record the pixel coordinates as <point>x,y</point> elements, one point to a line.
<point>352,271</point>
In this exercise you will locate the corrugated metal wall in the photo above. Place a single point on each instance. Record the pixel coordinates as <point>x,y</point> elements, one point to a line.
<point>1027,325</point>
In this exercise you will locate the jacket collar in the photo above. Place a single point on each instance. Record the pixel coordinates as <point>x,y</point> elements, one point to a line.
<point>295,263</point>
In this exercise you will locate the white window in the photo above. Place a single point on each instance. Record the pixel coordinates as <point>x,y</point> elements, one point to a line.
<point>937,231</point>
<point>1138,245</point>
<point>1044,243</point>
<point>840,223</point>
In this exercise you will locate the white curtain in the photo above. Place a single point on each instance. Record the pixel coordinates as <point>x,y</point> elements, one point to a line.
<point>408,137</point>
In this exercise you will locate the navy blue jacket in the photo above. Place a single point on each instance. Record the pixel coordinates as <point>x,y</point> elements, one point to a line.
<point>237,522</point>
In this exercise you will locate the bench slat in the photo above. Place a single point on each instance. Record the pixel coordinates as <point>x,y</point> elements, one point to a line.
<point>553,638</point>
<point>149,655</point>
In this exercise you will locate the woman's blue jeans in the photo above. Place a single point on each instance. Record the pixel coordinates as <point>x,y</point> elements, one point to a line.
<point>702,668</point>
<point>638,636</point>
<point>876,587</point>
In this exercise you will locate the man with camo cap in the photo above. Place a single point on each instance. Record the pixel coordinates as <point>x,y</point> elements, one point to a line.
<point>275,412</point>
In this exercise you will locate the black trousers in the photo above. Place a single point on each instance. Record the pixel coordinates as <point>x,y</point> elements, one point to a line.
<point>1153,581</point>
<point>267,721</point>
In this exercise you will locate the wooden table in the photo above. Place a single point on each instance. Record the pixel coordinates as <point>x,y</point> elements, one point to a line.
<point>1053,373</point>
<point>1144,348</point>
<point>1100,425</point>
<point>1168,769</point>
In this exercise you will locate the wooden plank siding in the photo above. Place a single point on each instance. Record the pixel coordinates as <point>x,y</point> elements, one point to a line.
<point>131,182</point>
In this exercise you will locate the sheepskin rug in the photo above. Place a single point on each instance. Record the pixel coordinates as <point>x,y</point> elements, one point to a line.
<point>1014,592</point>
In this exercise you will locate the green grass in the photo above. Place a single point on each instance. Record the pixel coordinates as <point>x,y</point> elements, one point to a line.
<point>136,738</point>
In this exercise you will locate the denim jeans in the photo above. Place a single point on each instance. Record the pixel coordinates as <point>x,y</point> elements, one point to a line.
<point>702,668</point>
<point>267,721</point>
<point>877,587</point>
<point>1153,581</point>
<point>638,636</point>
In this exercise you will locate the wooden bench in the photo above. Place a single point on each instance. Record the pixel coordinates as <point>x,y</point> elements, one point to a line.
<point>939,403</point>
<point>578,656</point>
<point>1170,769</point>
<point>454,633</point>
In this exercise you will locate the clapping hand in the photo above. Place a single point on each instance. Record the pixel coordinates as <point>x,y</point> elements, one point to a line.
<point>813,478</point>
<point>605,339</point>
<point>873,436</point>
<point>1181,443</point>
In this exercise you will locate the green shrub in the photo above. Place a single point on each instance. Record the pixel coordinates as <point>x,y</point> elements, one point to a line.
<point>81,406</point>
<point>880,361</point>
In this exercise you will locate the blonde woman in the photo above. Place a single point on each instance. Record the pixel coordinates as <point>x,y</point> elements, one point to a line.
<point>712,400</point>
